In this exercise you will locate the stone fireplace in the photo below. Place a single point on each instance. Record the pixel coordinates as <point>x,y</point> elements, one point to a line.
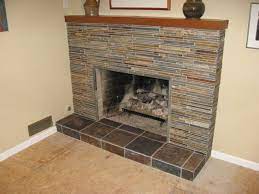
<point>157,75</point>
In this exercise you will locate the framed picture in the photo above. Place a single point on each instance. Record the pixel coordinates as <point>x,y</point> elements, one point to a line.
<point>141,4</point>
<point>3,18</point>
<point>253,30</point>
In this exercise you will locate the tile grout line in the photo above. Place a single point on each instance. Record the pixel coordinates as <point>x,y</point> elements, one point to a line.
<point>60,127</point>
<point>101,139</point>
<point>114,128</point>
<point>78,131</point>
<point>156,152</point>
<point>199,165</point>
<point>167,163</point>
<point>130,131</point>
<point>135,138</point>
<point>142,133</point>
<point>96,138</point>
<point>88,126</point>
<point>120,124</point>
<point>112,144</point>
<point>118,127</point>
<point>137,152</point>
<point>185,163</point>
<point>154,140</point>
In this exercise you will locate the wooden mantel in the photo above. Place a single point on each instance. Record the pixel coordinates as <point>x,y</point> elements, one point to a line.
<point>152,21</point>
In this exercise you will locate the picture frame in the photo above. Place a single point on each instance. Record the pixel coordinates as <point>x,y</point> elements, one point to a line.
<point>253,28</point>
<point>141,4</point>
<point>3,17</point>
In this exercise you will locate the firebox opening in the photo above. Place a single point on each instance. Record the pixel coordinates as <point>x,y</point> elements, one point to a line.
<point>139,101</point>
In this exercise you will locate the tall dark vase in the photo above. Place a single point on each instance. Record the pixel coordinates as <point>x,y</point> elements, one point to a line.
<point>193,9</point>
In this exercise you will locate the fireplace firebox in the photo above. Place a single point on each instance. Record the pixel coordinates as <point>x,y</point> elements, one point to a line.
<point>137,100</point>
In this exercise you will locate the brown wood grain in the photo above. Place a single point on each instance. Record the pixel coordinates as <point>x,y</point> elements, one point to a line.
<point>210,24</point>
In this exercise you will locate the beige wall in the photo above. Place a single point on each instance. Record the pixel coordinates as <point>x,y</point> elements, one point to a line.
<point>237,128</point>
<point>34,74</point>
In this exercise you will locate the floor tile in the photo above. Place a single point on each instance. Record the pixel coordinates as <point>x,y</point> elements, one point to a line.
<point>144,146</point>
<point>173,155</point>
<point>120,138</point>
<point>131,129</point>
<point>138,157</point>
<point>154,136</point>
<point>66,119</point>
<point>113,148</point>
<point>71,132</point>
<point>97,130</point>
<point>78,123</point>
<point>91,140</point>
<point>59,128</point>
<point>193,166</point>
<point>110,123</point>
<point>166,167</point>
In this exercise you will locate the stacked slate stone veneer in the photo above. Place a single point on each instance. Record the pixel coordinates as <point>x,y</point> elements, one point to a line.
<point>191,58</point>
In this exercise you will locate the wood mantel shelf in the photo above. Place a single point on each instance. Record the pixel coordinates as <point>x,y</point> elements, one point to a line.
<point>152,21</point>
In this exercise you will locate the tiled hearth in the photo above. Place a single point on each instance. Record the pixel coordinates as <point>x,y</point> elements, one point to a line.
<point>135,144</point>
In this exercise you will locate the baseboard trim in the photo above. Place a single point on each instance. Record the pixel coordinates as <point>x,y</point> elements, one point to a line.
<point>32,140</point>
<point>235,160</point>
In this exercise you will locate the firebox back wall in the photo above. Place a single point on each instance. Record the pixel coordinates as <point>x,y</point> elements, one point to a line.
<point>191,58</point>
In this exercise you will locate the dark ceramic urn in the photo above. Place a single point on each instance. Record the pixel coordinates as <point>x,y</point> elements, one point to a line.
<point>193,9</point>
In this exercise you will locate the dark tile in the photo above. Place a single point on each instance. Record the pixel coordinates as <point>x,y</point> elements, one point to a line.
<point>65,120</point>
<point>110,122</point>
<point>78,123</point>
<point>193,166</point>
<point>144,146</point>
<point>97,130</point>
<point>187,175</point>
<point>166,167</point>
<point>154,136</point>
<point>198,169</point>
<point>173,154</point>
<point>112,148</point>
<point>59,128</point>
<point>91,140</point>
<point>71,133</point>
<point>120,138</point>
<point>131,129</point>
<point>137,157</point>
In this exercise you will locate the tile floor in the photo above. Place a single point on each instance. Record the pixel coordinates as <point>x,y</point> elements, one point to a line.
<point>61,164</point>
<point>135,144</point>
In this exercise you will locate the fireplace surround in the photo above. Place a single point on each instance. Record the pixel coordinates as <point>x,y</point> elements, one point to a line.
<point>186,56</point>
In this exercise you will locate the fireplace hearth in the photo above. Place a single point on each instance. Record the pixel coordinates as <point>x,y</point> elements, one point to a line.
<point>159,75</point>
<point>135,144</point>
